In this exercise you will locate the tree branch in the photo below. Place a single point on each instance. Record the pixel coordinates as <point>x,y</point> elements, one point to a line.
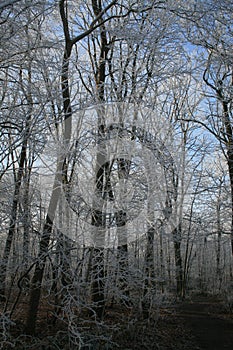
<point>205,126</point>
<point>7,3</point>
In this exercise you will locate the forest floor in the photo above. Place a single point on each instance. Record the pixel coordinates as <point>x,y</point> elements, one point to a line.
<point>199,323</point>
<point>206,324</point>
<point>202,323</point>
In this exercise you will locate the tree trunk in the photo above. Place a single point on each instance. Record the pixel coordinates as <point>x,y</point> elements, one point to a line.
<point>101,175</point>
<point>38,277</point>
<point>229,135</point>
<point>178,261</point>
<point>149,272</point>
<point>121,221</point>
<point>45,238</point>
<point>14,210</point>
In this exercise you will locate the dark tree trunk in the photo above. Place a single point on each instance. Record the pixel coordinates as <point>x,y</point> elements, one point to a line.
<point>122,249</point>
<point>102,172</point>
<point>45,239</point>
<point>149,272</point>
<point>36,283</point>
<point>98,281</point>
<point>14,210</point>
<point>178,261</point>
<point>149,259</point>
<point>229,135</point>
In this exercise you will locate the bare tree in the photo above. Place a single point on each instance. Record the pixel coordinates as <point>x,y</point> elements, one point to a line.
<point>62,160</point>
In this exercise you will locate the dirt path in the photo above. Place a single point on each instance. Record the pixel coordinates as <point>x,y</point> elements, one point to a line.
<point>211,327</point>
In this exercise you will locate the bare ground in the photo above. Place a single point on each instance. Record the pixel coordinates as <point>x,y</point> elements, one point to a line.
<point>202,323</point>
<point>208,321</point>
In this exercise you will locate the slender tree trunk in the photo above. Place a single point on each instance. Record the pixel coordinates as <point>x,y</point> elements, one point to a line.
<point>101,176</point>
<point>178,260</point>
<point>229,134</point>
<point>36,284</point>
<point>38,277</point>
<point>230,167</point>
<point>26,212</point>
<point>149,259</point>
<point>14,210</point>
<point>97,263</point>
<point>121,221</point>
<point>98,281</point>
<point>161,254</point>
<point>122,255</point>
<point>219,238</point>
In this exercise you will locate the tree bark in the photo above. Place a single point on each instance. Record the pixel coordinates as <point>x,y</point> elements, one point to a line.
<point>14,209</point>
<point>38,277</point>
<point>36,284</point>
<point>178,260</point>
